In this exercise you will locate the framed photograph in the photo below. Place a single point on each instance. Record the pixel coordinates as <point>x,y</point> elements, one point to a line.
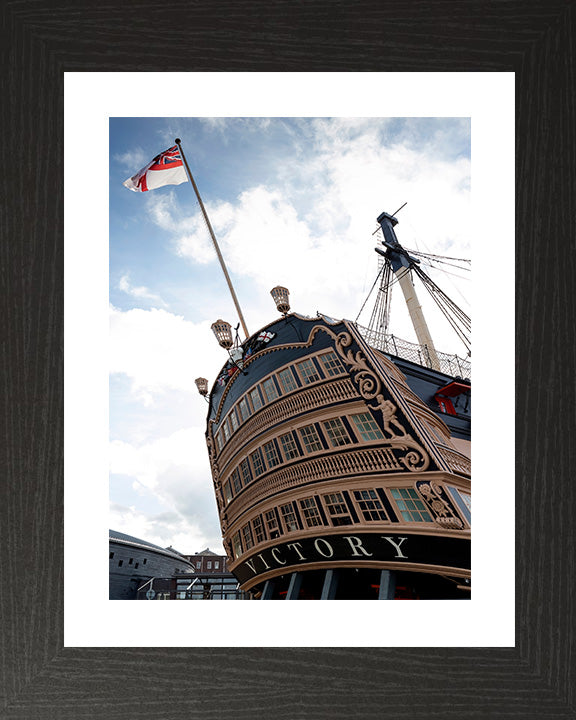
<point>69,651</point>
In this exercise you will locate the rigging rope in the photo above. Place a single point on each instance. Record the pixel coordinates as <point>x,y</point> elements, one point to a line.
<point>438,257</point>
<point>457,318</point>
<point>370,293</point>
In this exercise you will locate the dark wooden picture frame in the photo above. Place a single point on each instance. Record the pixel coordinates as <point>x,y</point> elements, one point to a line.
<point>41,679</point>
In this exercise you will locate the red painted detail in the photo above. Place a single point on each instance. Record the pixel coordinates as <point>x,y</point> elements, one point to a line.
<point>446,405</point>
<point>453,388</point>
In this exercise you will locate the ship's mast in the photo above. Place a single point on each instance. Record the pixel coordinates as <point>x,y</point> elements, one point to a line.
<point>401,262</point>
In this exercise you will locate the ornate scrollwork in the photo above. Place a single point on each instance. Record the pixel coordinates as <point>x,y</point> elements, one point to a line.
<point>215,470</point>
<point>440,507</point>
<point>415,459</point>
<point>370,387</point>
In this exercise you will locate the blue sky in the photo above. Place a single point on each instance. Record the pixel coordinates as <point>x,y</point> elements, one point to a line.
<point>293,201</point>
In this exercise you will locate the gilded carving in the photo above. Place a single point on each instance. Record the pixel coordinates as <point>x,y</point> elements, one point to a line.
<point>441,510</point>
<point>389,418</point>
<point>415,460</point>
<point>370,388</point>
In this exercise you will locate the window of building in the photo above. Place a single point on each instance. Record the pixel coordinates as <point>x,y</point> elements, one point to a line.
<point>244,409</point>
<point>256,398</point>
<point>289,517</point>
<point>337,509</point>
<point>258,527</point>
<point>226,431</point>
<point>144,561</point>
<point>464,502</point>
<point>245,472</point>
<point>410,505</point>
<point>257,462</point>
<point>247,542</point>
<point>332,365</point>
<point>311,513</point>
<point>234,420</point>
<point>236,481</point>
<point>130,561</point>
<point>272,524</point>
<point>227,491</point>
<point>367,427</point>
<point>208,564</point>
<point>310,438</point>
<point>219,443</point>
<point>337,432</point>
<point>216,564</point>
<point>111,556</point>
<point>237,545</point>
<point>370,505</point>
<point>271,454</point>
<point>270,389</point>
<point>199,564</point>
<point>289,447</point>
<point>308,371</point>
<point>136,566</point>
<point>120,563</point>
<point>287,380</point>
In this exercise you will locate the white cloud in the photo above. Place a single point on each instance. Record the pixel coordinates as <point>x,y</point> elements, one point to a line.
<point>175,471</point>
<point>184,448</point>
<point>192,237</point>
<point>160,351</point>
<point>138,292</point>
<point>163,529</point>
<point>311,229</point>
<point>133,160</point>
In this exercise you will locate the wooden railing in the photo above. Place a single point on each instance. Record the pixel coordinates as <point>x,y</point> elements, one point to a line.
<point>324,467</point>
<point>283,409</point>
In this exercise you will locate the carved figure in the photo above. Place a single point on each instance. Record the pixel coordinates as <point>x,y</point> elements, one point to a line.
<point>389,419</point>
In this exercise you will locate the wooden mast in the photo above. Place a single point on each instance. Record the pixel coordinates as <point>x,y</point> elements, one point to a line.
<point>401,262</point>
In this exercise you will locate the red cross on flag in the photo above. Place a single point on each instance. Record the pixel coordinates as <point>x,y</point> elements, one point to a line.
<point>166,169</point>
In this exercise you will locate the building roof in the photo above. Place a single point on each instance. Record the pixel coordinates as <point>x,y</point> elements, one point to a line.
<point>207,552</point>
<point>124,539</point>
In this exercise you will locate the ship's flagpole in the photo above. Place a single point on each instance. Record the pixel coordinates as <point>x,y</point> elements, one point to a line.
<point>216,247</point>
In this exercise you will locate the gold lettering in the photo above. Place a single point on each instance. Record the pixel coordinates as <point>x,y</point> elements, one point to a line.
<point>296,545</point>
<point>278,560</point>
<point>264,561</point>
<point>331,551</point>
<point>356,544</point>
<point>250,564</point>
<point>396,545</point>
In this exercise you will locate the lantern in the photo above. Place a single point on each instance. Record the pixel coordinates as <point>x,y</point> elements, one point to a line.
<point>202,385</point>
<point>280,295</point>
<point>223,332</point>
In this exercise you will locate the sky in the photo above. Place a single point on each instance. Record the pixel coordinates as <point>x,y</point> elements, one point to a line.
<point>293,202</point>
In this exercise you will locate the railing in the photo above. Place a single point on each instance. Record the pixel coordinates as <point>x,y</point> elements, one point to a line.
<point>311,398</point>
<point>346,463</point>
<point>449,364</point>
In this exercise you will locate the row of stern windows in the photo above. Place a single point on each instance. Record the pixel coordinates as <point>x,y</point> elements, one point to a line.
<point>305,372</point>
<point>300,442</point>
<point>336,509</point>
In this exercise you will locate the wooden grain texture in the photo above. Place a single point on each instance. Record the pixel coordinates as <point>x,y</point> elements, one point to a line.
<point>42,680</point>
